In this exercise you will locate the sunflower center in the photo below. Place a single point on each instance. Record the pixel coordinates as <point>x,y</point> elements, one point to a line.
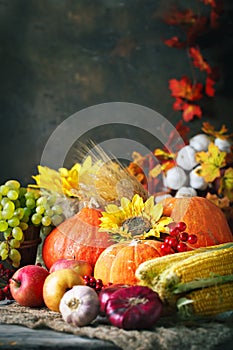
<point>136,225</point>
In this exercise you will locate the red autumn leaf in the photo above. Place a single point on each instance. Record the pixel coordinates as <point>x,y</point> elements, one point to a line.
<point>174,42</point>
<point>214,17</point>
<point>198,60</point>
<point>209,89</point>
<point>183,131</point>
<point>199,28</point>
<point>190,111</point>
<point>185,89</point>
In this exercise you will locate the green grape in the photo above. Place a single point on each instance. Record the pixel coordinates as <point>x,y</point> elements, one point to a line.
<point>4,190</point>
<point>25,218</point>
<point>12,194</point>
<point>30,203</point>
<point>1,217</point>
<point>0,196</point>
<point>36,219</point>
<point>17,203</point>
<point>22,192</point>
<point>13,184</point>
<point>48,212</point>
<point>13,222</point>
<point>17,233</point>
<point>4,245</point>
<point>41,201</point>
<point>40,209</point>
<point>14,255</point>
<point>3,225</point>
<point>46,221</point>
<point>14,243</point>
<point>29,195</point>
<point>22,202</point>
<point>52,199</point>
<point>56,219</point>
<point>19,213</point>
<point>4,201</point>
<point>9,206</point>
<point>46,230</point>
<point>4,254</point>
<point>27,211</point>
<point>57,209</point>
<point>7,233</point>
<point>15,264</point>
<point>7,214</point>
<point>36,194</point>
<point>23,225</point>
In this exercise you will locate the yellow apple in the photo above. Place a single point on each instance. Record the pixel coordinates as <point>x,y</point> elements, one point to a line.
<point>56,284</point>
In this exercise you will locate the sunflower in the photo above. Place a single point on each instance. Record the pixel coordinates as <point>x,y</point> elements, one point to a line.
<point>135,219</point>
<point>64,181</point>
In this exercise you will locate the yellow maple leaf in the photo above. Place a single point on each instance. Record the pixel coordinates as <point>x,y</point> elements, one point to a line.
<point>226,184</point>
<point>211,162</point>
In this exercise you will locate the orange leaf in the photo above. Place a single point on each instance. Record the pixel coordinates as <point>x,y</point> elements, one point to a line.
<point>186,17</point>
<point>190,111</point>
<point>198,60</point>
<point>174,42</point>
<point>185,89</point>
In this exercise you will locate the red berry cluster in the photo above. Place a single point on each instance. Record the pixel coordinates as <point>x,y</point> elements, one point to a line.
<point>96,284</point>
<point>178,239</point>
<point>5,275</point>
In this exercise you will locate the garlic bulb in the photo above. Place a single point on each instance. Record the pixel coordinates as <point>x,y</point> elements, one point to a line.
<point>223,144</point>
<point>79,306</point>
<point>196,181</point>
<point>186,192</point>
<point>200,142</point>
<point>175,178</point>
<point>186,158</point>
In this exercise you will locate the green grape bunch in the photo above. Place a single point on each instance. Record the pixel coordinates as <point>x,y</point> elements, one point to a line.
<point>21,207</point>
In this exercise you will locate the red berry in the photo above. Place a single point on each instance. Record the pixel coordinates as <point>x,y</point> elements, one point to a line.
<point>182,247</point>
<point>174,231</point>
<point>192,239</point>
<point>166,249</point>
<point>86,278</point>
<point>183,236</point>
<point>173,242</point>
<point>181,226</point>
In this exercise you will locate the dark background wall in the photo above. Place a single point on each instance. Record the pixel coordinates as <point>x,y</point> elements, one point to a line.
<point>58,57</point>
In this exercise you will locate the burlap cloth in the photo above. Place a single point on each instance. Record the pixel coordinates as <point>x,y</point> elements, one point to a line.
<point>169,333</point>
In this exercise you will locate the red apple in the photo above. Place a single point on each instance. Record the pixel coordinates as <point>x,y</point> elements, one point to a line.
<point>26,285</point>
<point>82,267</point>
<point>56,284</point>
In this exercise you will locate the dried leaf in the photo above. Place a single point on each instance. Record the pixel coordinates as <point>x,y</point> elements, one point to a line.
<point>211,162</point>
<point>175,42</point>
<point>198,60</point>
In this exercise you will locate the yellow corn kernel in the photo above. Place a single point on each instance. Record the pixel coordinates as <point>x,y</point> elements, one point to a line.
<point>212,300</point>
<point>217,262</point>
<point>148,272</point>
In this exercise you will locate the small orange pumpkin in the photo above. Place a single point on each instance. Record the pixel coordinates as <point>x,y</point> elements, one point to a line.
<point>78,237</point>
<point>118,263</point>
<point>202,217</point>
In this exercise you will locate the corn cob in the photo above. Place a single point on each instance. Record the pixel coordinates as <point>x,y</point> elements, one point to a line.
<point>208,301</point>
<point>149,271</point>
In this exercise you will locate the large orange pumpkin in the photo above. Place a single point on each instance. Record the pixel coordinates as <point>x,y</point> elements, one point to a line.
<point>202,217</point>
<point>118,263</point>
<point>78,237</point>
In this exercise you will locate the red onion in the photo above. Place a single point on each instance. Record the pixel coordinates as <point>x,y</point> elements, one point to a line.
<point>106,292</point>
<point>135,307</point>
